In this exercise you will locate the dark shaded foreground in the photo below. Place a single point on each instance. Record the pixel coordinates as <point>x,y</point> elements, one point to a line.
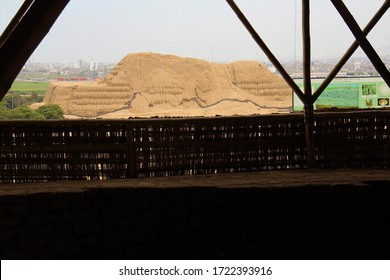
<point>305,214</point>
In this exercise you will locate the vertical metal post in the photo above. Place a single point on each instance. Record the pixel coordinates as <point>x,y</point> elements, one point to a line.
<point>308,102</point>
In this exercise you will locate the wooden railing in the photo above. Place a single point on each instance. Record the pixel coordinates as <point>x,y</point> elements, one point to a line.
<point>33,151</point>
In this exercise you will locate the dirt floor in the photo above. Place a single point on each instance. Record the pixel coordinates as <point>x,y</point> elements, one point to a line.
<point>292,178</point>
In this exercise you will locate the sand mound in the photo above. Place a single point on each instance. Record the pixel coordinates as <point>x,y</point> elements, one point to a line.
<point>149,84</point>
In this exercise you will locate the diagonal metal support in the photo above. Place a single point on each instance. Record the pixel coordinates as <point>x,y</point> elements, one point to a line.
<point>362,40</point>
<point>15,21</point>
<point>29,27</point>
<point>266,50</point>
<point>336,69</point>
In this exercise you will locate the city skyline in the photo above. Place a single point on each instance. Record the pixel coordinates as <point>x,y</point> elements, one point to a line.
<point>357,66</point>
<point>209,30</point>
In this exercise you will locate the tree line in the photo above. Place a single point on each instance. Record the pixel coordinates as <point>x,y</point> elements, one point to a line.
<point>45,112</point>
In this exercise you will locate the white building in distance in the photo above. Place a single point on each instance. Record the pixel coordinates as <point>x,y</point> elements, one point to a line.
<point>93,65</point>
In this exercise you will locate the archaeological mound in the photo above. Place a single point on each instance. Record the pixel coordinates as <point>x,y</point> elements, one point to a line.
<point>150,84</point>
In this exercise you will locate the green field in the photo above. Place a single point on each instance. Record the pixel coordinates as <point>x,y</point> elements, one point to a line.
<point>28,87</point>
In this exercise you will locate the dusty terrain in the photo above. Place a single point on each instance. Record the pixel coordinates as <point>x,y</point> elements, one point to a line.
<point>149,84</point>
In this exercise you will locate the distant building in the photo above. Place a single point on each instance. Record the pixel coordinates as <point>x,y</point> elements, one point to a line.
<point>272,69</point>
<point>93,65</point>
<point>357,65</point>
<point>80,64</point>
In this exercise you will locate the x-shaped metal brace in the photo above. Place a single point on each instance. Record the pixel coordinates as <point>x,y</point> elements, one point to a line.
<point>359,34</point>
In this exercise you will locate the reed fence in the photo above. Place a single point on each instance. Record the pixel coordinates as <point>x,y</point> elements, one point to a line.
<point>34,151</point>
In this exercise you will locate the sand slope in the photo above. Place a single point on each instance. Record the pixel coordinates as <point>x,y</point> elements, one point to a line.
<point>150,84</point>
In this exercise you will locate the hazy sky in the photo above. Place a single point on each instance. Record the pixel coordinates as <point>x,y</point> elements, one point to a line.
<point>107,30</point>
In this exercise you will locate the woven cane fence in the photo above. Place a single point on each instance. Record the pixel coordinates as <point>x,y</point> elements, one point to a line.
<point>35,151</point>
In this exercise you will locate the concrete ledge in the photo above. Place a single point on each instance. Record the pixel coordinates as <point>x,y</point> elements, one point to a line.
<point>283,178</point>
